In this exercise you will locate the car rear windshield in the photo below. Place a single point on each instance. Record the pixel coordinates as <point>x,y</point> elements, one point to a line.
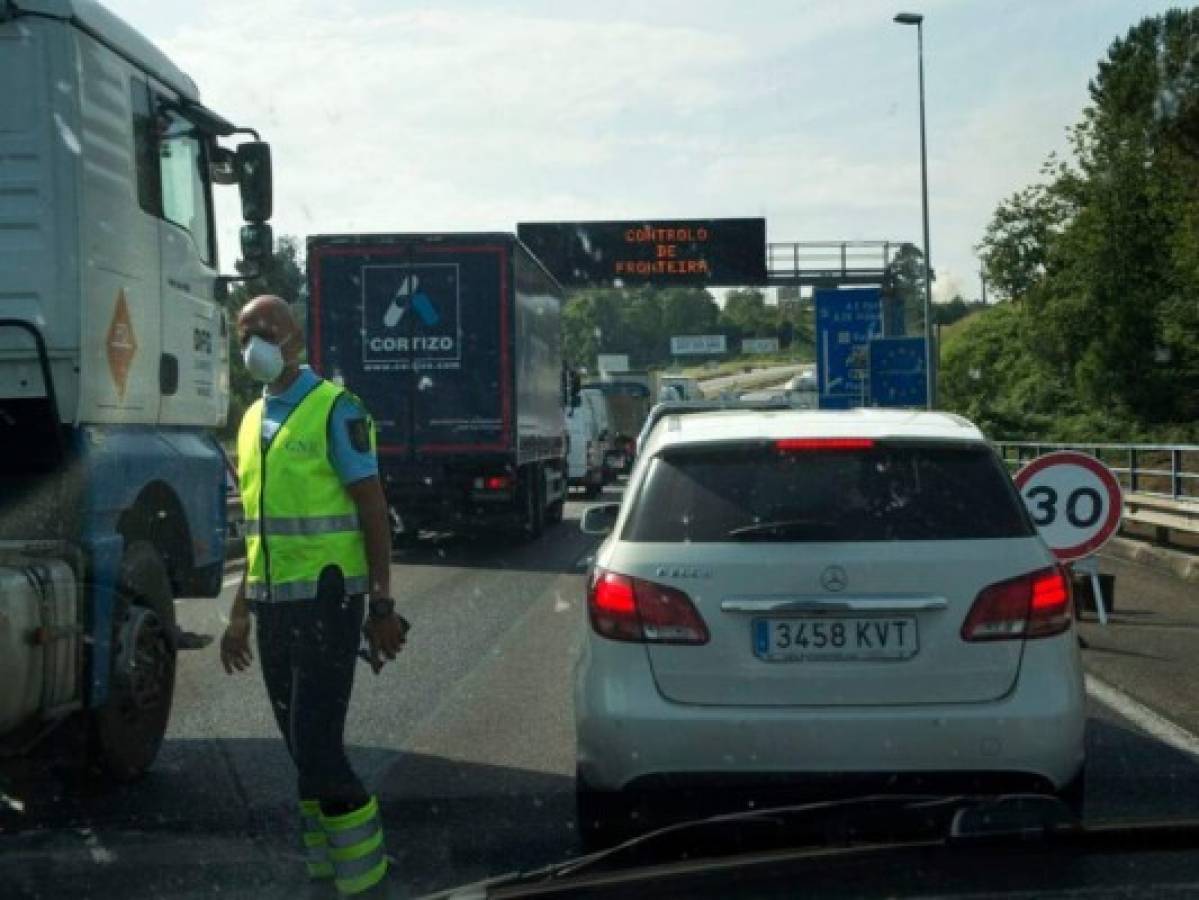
<point>890,492</point>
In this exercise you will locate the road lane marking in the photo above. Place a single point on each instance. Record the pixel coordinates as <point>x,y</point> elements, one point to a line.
<point>1143,717</point>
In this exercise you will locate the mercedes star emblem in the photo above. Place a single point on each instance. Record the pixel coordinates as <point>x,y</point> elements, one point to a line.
<point>834,579</point>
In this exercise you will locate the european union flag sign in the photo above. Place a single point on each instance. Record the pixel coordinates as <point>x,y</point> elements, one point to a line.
<point>897,374</point>
<point>846,321</point>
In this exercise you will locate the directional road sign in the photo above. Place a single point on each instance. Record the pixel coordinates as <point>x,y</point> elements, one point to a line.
<point>846,321</point>
<point>897,376</point>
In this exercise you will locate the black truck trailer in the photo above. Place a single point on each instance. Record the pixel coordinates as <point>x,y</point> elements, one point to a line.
<point>454,344</point>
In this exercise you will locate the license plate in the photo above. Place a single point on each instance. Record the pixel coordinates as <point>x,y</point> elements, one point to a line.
<point>829,639</point>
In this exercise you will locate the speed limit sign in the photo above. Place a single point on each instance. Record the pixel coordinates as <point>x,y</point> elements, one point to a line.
<point>1074,501</point>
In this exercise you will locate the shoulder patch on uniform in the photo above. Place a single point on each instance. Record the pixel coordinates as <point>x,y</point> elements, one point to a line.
<point>359,433</point>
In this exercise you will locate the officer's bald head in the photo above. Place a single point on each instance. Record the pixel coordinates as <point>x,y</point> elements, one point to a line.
<point>270,318</point>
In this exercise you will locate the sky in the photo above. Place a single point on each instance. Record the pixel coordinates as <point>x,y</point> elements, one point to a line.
<point>385,115</point>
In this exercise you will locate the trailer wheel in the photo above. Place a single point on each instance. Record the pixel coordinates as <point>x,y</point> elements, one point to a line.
<point>127,731</point>
<point>557,509</point>
<point>532,494</point>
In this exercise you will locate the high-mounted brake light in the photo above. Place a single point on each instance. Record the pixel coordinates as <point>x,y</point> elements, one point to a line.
<point>632,609</point>
<point>1031,606</point>
<point>797,444</point>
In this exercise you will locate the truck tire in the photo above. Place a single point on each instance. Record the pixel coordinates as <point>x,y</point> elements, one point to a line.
<point>127,731</point>
<point>532,502</point>
<point>557,510</point>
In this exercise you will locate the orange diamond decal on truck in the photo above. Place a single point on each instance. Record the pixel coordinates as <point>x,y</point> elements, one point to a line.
<point>121,344</point>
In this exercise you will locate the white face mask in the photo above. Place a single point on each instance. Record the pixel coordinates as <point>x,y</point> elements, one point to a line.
<point>264,360</point>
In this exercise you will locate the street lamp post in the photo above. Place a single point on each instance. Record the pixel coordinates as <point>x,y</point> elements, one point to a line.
<point>918,20</point>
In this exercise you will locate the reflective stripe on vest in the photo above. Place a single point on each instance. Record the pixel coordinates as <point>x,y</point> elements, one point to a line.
<point>314,525</point>
<point>299,517</point>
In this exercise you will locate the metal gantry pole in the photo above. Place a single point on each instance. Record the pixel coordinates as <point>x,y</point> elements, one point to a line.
<point>930,373</point>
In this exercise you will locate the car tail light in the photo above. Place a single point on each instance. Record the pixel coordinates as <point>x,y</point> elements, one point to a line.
<point>1031,606</point>
<point>792,445</point>
<point>631,609</point>
<point>497,483</point>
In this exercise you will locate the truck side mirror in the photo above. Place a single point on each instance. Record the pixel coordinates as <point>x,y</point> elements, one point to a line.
<point>254,180</point>
<point>257,243</point>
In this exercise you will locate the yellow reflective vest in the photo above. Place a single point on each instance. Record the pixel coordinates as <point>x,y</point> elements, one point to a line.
<point>299,517</point>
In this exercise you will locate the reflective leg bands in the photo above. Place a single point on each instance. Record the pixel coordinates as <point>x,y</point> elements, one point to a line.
<point>316,844</point>
<point>356,848</point>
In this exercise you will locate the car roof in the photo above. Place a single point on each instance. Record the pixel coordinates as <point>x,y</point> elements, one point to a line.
<point>709,426</point>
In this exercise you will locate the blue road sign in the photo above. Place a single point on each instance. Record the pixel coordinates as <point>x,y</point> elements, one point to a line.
<point>897,376</point>
<point>846,320</point>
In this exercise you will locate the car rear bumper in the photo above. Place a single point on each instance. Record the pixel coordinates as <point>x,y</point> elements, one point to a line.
<point>627,732</point>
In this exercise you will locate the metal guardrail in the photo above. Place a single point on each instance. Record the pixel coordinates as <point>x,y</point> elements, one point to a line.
<point>1159,470</point>
<point>821,263</point>
<point>1160,481</point>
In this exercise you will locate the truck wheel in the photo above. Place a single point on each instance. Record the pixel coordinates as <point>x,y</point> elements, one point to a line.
<point>128,729</point>
<point>532,493</point>
<point>557,510</point>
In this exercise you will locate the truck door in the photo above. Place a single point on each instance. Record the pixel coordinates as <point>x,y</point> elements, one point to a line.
<point>192,366</point>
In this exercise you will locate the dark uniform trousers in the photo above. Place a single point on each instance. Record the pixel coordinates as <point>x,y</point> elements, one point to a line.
<point>308,650</point>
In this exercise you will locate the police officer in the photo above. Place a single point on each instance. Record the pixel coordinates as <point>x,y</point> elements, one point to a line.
<point>318,543</point>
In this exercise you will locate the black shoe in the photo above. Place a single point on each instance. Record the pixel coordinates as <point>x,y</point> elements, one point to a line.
<point>189,640</point>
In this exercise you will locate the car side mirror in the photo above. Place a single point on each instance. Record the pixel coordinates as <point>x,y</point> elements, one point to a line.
<point>599,519</point>
<point>257,243</point>
<point>253,160</point>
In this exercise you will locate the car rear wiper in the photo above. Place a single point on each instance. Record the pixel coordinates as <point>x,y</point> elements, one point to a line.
<point>783,528</point>
<point>1053,815</point>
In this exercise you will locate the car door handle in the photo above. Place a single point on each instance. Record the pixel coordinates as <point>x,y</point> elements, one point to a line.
<point>832,604</point>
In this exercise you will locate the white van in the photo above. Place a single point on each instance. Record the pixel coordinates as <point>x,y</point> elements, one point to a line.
<point>585,457</point>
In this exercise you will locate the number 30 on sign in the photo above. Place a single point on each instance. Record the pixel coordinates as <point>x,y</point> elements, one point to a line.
<point>1073,499</point>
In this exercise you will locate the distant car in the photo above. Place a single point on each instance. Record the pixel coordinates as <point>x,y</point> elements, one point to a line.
<point>804,381</point>
<point>800,593</point>
<point>684,387</point>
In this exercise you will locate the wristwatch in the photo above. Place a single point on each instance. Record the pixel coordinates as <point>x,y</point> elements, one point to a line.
<point>382,607</point>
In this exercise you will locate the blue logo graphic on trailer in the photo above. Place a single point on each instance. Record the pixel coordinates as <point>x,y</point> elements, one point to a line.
<point>846,321</point>
<point>411,316</point>
<point>897,376</point>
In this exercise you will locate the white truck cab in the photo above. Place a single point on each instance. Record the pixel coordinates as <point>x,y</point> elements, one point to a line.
<point>114,345</point>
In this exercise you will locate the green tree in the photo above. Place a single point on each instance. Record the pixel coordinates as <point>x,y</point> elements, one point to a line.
<point>907,285</point>
<point>636,321</point>
<point>1103,253</point>
<point>746,315</point>
<point>282,275</point>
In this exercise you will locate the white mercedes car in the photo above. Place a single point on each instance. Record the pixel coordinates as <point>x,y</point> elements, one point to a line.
<point>795,593</point>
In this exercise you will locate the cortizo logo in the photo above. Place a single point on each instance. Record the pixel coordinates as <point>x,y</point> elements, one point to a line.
<point>682,572</point>
<point>411,314</point>
<point>404,344</point>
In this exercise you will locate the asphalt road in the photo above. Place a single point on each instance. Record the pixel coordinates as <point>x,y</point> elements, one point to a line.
<point>468,741</point>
